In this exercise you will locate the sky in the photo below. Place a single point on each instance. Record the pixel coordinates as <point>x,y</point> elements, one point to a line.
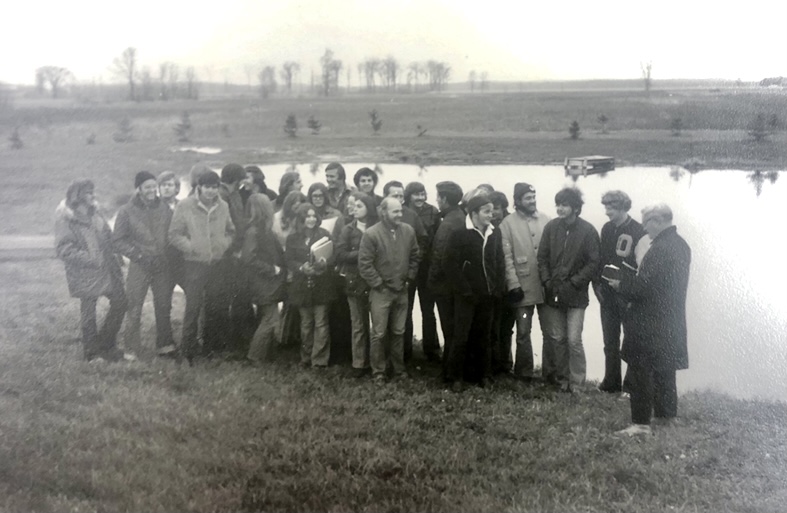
<point>515,41</point>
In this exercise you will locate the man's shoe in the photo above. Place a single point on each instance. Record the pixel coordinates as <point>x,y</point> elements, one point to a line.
<point>665,422</point>
<point>96,360</point>
<point>378,379</point>
<point>130,357</point>
<point>635,430</point>
<point>358,373</point>
<point>624,396</point>
<point>609,389</point>
<point>566,389</point>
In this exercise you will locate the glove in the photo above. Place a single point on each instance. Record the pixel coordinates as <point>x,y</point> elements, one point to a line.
<point>516,295</point>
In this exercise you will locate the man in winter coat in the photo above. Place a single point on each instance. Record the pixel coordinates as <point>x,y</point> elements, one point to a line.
<point>449,194</point>
<point>655,340</point>
<point>202,230</point>
<point>83,241</point>
<point>619,238</point>
<point>521,232</point>
<point>388,260</point>
<point>395,189</point>
<point>141,236</point>
<point>415,198</point>
<point>568,259</point>
<point>242,322</point>
<point>475,264</point>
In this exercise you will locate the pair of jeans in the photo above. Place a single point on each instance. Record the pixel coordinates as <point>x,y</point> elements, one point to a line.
<point>503,321</point>
<point>470,354</point>
<point>431,346</point>
<point>653,392</point>
<point>138,281</point>
<point>612,310</point>
<point>238,311</point>
<point>564,327</point>
<point>264,339</point>
<point>202,284</point>
<point>315,337</point>
<point>101,343</point>
<point>389,313</point>
<point>359,316</point>
<point>445,308</point>
<point>524,344</point>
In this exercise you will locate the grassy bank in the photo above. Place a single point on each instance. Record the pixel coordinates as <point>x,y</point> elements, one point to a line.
<point>525,128</point>
<point>155,436</point>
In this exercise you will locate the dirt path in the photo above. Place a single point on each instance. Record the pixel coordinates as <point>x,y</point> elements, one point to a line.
<point>23,247</point>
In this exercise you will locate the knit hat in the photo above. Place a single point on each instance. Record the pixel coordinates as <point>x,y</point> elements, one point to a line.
<point>209,178</point>
<point>477,202</point>
<point>142,177</point>
<point>522,188</point>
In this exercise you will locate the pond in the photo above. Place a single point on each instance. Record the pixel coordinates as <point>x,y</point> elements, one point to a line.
<point>733,221</point>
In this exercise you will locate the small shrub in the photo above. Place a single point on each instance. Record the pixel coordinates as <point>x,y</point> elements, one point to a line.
<point>125,131</point>
<point>676,126</point>
<point>183,129</point>
<point>16,140</point>
<point>91,138</point>
<point>758,129</point>
<point>375,121</point>
<point>774,123</point>
<point>603,120</point>
<point>314,125</point>
<point>573,130</point>
<point>291,126</point>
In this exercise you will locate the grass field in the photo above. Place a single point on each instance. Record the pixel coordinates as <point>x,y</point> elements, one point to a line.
<point>526,128</point>
<point>156,436</point>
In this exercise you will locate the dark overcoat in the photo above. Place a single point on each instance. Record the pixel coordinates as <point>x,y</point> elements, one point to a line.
<point>655,323</point>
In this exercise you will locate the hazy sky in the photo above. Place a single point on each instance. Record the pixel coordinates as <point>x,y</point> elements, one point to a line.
<point>525,40</point>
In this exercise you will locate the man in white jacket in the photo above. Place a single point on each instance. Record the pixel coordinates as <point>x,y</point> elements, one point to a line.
<point>521,233</point>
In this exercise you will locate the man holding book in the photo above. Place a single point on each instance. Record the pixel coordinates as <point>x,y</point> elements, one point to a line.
<point>619,237</point>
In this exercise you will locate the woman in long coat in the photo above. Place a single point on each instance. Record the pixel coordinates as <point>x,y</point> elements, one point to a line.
<point>83,242</point>
<point>312,287</point>
<point>266,272</point>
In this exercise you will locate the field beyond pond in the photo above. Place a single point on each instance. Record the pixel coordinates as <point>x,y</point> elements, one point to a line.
<point>495,128</point>
<point>158,436</point>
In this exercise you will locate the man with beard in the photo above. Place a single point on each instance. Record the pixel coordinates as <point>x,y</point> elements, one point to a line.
<point>521,232</point>
<point>388,260</point>
<point>141,236</point>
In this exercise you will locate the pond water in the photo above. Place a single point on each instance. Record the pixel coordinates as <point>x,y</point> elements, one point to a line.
<point>734,223</point>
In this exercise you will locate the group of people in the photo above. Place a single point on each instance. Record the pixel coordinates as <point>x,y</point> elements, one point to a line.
<point>340,266</point>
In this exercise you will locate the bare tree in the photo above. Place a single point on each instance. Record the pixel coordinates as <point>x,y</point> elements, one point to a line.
<point>125,66</point>
<point>330,72</point>
<point>471,80</point>
<point>192,84</point>
<point>414,71</point>
<point>391,68</point>
<point>53,76</point>
<point>438,74</point>
<point>146,85</point>
<point>267,81</point>
<point>646,68</point>
<point>371,68</point>
<point>289,70</point>
<point>167,77</point>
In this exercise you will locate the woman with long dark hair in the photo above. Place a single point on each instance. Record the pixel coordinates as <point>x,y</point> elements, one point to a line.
<point>311,288</point>
<point>356,288</point>
<point>290,182</point>
<point>266,274</point>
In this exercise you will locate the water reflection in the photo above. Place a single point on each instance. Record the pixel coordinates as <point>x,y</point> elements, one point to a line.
<point>758,178</point>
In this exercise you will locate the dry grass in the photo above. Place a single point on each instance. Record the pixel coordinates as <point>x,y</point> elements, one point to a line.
<point>157,436</point>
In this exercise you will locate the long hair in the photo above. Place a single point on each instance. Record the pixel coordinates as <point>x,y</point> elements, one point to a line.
<point>300,217</point>
<point>319,186</point>
<point>287,181</point>
<point>260,212</point>
<point>371,208</point>
<point>75,192</point>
